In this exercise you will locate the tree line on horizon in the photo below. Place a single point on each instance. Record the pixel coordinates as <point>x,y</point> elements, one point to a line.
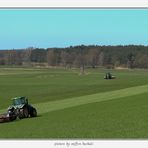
<point>129,56</point>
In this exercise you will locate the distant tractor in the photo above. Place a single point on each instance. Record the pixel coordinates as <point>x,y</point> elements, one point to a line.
<point>109,76</point>
<point>24,109</point>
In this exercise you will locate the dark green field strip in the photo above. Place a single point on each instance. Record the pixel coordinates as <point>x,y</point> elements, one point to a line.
<point>120,118</point>
<point>43,85</point>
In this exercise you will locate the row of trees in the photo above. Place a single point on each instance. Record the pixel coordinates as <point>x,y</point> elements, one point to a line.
<point>130,56</point>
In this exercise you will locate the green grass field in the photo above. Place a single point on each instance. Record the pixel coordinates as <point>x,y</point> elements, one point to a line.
<point>73,106</point>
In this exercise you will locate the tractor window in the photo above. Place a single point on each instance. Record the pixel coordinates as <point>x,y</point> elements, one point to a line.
<point>18,101</point>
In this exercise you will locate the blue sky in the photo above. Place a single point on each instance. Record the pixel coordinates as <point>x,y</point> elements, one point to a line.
<point>65,27</point>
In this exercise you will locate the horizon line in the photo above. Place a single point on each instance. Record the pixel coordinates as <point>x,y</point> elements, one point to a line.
<point>33,47</point>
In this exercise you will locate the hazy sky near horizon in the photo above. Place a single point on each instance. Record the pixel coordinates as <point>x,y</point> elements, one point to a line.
<point>65,27</point>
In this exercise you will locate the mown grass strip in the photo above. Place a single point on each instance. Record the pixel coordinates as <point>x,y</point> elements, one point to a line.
<point>67,103</point>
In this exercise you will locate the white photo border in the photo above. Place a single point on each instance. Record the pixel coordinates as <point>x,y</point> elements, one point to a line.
<point>74,4</point>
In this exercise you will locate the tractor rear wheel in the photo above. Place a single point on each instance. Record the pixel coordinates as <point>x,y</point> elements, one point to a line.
<point>23,113</point>
<point>33,113</point>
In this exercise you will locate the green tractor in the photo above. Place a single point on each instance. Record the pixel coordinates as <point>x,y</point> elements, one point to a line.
<point>109,76</point>
<point>24,110</point>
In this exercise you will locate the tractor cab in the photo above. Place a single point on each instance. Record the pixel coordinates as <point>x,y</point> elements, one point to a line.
<point>19,101</point>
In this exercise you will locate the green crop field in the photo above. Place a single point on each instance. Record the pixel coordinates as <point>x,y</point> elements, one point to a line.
<point>70,105</point>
